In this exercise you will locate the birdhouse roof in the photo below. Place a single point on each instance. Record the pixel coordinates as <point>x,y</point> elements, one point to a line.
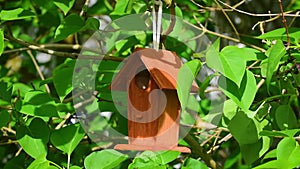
<point>163,66</point>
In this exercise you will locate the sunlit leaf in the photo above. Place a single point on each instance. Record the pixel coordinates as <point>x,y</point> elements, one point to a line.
<point>64,5</point>
<point>280,34</point>
<point>193,163</point>
<point>40,163</point>
<point>107,158</point>
<point>15,14</point>
<point>231,62</point>
<point>168,156</point>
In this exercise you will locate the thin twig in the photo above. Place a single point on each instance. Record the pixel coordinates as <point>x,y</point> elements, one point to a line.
<point>33,46</point>
<point>239,4</point>
<point>9,130</point>
<point>253,64</point>
<point>37,67</point>
<point>229,20</point>
<point>85,6</point>
<point>61,124</point>
<point>260,23</point>
<point>258,15</point>
<point>260,83</point>
<point>285,24</point>
<point>205,30</point>
<point>293,20</point>
<point>15,50</point>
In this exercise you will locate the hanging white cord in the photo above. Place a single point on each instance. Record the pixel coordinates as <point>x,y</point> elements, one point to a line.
<point>157,24</point>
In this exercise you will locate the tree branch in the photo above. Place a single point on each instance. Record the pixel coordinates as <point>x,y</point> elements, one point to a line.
<point>198,151</point>
<point>41,48</point>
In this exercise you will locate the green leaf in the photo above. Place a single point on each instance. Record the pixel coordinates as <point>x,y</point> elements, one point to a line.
<point>1,41</point>
<point>244,95</point>
<point>285,147</point>
<point>272,133</point>
<point>285,117</point>
<point>230,62</point>
<point>131,22</point>
<point>191,163</point>
<point>104,159</point>
<point>40,104</point>
<point>45,4</point>
<point>75,167</point>
<point>205,84</point>
<point>280,34</point>
<point>275,53</point>
<point>249,54</point>
<point>230,108</point>
<point>243,129</point>
<point>15,14</point>
<point>71,24</point>
<point>147,159</point>
<point>168,156</point>
<point>17,162</point>
<point>284,133</point>
<point>278,164</point>
<point>5,116</point>
<point>34,138</point>
<point>121,8</point>
<point>5,91</point>
<point>271,154</point>
<point>21,89</point>
<point>67,138</point>
<point>294,157</point>
<point>251,152</point>
<point>91,23</point>
<point>64,5</point>
<point>40,163</point>
<point>186,76</point>
<point>62,78</point>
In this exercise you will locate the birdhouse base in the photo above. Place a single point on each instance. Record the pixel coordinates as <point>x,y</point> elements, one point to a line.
<point>152,148</point>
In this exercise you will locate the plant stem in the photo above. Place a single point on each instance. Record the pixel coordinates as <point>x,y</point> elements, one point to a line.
<point>69,160</point>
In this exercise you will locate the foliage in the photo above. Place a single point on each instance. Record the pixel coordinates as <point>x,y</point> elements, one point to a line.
<point>256,124</point>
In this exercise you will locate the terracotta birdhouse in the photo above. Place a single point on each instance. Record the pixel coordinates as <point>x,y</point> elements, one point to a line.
<point>150,77</point>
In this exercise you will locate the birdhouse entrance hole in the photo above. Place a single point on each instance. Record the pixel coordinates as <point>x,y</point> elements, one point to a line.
<point>142,79</point>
